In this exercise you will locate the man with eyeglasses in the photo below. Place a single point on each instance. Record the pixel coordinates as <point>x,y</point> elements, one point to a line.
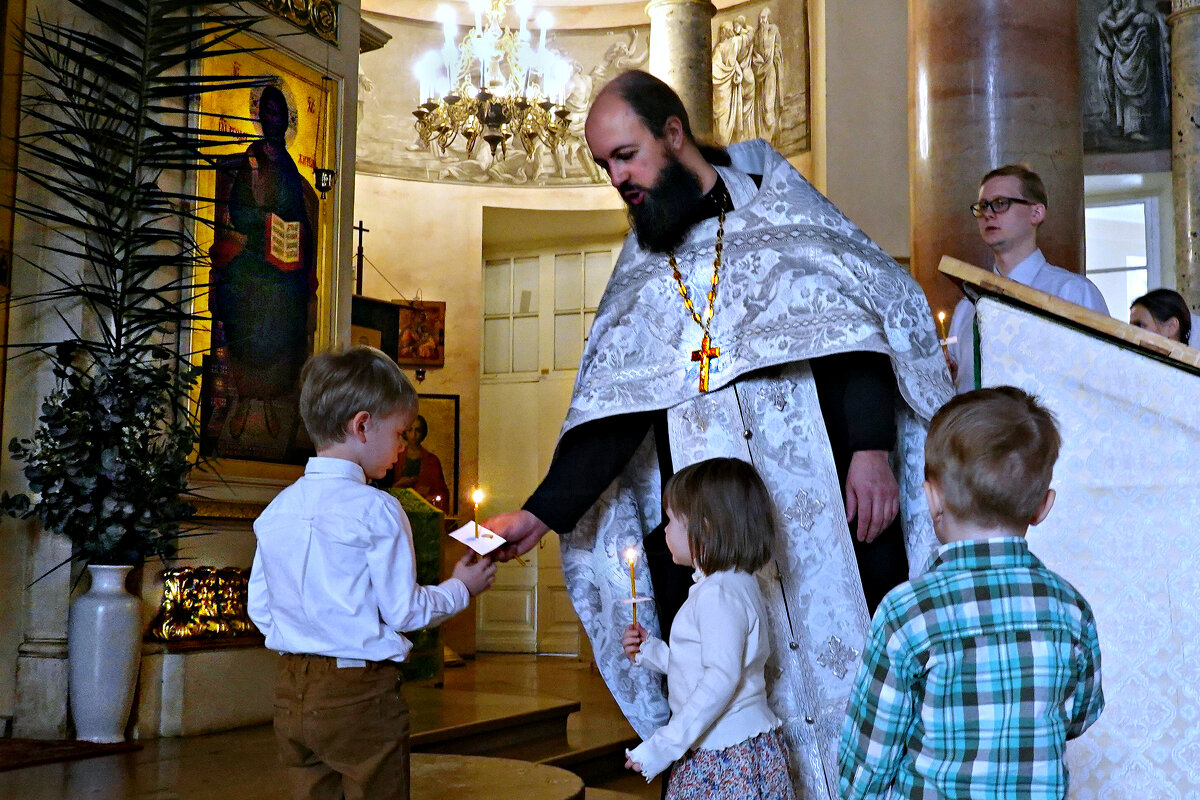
<point>1012,204</point>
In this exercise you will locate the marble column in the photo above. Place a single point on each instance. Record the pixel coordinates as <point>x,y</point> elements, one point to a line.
<point>1185,145</point>
<point>681,55</point>
<point>40,710</point>
<point>991,82</point>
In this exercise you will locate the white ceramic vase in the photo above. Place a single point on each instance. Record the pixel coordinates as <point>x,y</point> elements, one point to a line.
<point>103,647</point>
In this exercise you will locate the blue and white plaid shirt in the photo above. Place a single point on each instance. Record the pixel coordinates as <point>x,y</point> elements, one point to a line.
<point>976,674</point>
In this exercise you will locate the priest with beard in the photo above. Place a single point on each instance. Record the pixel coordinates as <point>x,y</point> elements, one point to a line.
<point>745,317</point>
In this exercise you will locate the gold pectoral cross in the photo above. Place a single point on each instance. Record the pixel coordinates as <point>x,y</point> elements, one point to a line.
<point>705,354</point>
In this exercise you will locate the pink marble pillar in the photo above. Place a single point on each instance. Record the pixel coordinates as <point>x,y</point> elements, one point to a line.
<point>1185,147</point>
<point>991,82</point>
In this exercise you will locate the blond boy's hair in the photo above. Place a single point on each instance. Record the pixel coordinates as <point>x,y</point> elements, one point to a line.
<point>336,385</point>
<point>730,516</point>
<point>992,452</point>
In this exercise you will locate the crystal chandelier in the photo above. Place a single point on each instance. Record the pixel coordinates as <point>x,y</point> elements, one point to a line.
<point>493,84</point>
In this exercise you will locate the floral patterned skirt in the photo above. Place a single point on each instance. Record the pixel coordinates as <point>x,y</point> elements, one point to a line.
<point>755,768</point>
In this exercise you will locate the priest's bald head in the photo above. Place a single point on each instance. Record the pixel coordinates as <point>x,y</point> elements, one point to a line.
<point>638,132</point>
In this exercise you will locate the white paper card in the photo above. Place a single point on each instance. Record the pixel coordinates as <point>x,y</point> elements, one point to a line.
<point>478,538</point>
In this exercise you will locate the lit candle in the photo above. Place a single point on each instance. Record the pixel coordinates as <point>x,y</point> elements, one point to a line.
<point>476,499</point>
<point>631,556</point>
<point>941,320</point>
<point>523,8</point>
<point>544,20</point>
<point>446,16</point>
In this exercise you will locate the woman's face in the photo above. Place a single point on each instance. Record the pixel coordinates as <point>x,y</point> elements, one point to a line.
<point>412,434</point>
<point>1139,317</point>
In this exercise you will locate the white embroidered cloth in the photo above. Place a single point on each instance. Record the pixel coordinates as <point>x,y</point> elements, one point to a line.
<point>1125,531</point>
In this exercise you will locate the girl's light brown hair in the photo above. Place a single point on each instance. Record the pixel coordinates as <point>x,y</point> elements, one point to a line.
<point>730,516</point>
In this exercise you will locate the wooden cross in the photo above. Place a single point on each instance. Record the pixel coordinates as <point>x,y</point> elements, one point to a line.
<point>358,275</point>
<point>706,353</point>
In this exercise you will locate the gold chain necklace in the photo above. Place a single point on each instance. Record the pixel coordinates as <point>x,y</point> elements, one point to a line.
<point>706,352</point>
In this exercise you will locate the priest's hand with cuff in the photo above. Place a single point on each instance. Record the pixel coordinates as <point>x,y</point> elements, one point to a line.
<point>872,494</point>
<point>522,530</point>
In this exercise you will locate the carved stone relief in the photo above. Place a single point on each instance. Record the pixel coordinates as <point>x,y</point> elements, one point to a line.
<point>760,74</point>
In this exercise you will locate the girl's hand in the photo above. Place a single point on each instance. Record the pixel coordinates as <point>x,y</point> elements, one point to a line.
<point>632,640</point>
<point>629,762</point>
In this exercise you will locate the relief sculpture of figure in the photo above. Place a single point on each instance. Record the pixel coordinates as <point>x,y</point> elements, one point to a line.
<point>768,68</point>
<point>574,147</point>
<point>619,57</point>
<point>746,129</point>
<point>1133,68</point>
<point>727,85</point>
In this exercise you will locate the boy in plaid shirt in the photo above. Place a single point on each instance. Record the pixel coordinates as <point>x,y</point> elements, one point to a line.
<point>978,671</point>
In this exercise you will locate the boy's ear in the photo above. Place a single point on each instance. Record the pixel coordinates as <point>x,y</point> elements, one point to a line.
<point>1043,510</point>
<point>933,496</point>
<point>356,428</point>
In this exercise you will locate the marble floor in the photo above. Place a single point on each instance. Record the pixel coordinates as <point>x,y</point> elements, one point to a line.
<point>241,764</point>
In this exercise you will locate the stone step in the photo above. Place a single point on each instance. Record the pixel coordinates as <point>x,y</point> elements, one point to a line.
<point>596,762</point>
<point>482,723</point>
<point>531,728</point>
<point>436,776</point>
<point>592,793</point>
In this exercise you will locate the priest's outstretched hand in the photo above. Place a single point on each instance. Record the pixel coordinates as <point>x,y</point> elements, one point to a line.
<point>872,494</point>
<point>522,530</point>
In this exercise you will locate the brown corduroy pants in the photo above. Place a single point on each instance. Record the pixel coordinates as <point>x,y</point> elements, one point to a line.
<point>341,732</point>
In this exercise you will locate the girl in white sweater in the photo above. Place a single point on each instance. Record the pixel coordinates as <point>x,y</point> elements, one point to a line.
<point>723,737</point>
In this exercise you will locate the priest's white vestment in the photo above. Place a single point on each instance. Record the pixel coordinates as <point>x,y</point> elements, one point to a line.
<point>799,281</point>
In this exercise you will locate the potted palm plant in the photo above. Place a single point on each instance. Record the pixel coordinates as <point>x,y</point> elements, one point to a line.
<point>109,142</point>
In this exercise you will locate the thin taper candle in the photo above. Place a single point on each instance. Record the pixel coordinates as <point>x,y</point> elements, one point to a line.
<point>630,556</point>
<point>941,321</point>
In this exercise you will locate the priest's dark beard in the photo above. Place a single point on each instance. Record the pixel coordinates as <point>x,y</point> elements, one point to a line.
<point>668,209</point>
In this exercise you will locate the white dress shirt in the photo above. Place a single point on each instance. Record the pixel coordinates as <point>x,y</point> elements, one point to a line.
<point>335,573</point>
<point>715,682</point>
<point>1036,273</point>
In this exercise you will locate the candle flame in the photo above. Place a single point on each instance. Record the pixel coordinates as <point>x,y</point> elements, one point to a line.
<point>477,496</point>
<point>631,556</point>
<point>941,316</point>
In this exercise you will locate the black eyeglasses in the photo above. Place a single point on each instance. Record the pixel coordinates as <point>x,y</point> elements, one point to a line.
<point>997,205</point>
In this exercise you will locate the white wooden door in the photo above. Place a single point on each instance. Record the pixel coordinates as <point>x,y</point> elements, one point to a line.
<point>523,401</point>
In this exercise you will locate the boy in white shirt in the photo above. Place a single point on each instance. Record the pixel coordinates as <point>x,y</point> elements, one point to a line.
<point>333,586</point>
